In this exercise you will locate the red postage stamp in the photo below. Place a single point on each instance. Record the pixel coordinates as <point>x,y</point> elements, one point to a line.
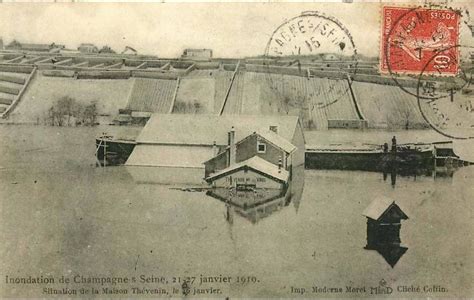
<point>419,40</point>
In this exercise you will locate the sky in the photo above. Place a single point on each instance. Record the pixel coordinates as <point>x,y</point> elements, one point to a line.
<point>165,29</point>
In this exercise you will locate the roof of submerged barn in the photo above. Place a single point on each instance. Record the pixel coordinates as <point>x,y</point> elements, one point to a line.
<point>185,129</point>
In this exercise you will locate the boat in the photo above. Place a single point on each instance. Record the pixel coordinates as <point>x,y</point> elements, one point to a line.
<point>111,151</point>
<point>372,157</point>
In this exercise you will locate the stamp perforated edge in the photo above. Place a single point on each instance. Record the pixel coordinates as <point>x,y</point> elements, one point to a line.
<point>427,6</point>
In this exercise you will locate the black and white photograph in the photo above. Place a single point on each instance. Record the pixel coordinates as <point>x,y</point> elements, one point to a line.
<point>228,150</point>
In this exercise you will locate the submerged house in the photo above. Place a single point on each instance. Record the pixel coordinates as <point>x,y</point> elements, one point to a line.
<point>266,144</point>
<point>183,142</point>
<point>253,173</point>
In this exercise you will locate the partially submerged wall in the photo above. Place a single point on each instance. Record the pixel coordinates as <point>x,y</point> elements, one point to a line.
<point>318,97</point>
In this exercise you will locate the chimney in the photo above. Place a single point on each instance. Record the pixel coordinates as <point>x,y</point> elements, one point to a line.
<point>279,165</point>
<point>231,142</point>
<point>274,128</point>
<point>215,149</point>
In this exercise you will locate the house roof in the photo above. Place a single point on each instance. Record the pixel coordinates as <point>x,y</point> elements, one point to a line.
<point>277,140</point>
<point>379,206</point>
<point>186,129</point>
<point>168,156</point>
<point>269,136</point>
<point>257,164</point>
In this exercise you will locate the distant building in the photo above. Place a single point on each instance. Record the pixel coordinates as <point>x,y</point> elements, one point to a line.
<point>15,45</point>
<point>197,54</point>
<point>88,48</point>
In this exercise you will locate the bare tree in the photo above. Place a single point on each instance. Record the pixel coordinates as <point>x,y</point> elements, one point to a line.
<point>66,109</point>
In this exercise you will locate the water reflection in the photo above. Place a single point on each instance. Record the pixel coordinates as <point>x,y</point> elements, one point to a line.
<point>435,173</point>
<point>391,253</point>
<point>257,203</point>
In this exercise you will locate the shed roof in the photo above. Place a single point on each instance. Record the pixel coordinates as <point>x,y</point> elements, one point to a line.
<point>257,164</point>
<point>379,206</point>
<point>185,129</point>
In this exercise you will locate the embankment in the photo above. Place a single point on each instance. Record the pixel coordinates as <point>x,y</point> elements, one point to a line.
<point>43,91</point>
<point>321,102</point>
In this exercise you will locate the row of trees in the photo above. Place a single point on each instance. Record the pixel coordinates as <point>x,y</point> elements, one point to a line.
<point>190,107</point>
<point>66,111</point>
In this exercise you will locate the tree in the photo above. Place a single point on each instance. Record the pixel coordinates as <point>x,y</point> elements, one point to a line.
<point>90,114</point>
<point>106,49</point>
<point>67,109</point>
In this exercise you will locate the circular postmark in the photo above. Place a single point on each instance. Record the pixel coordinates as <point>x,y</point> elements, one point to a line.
<point>421,50</point>
<point>449,106</point>
<point>308,62</point>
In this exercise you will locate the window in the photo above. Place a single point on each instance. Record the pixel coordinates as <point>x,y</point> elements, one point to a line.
<point>261,147</point>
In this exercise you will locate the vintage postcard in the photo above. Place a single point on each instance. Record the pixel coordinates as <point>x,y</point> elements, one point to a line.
<point>237,150</point>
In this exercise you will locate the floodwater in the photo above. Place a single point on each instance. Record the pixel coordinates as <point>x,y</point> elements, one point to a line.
<point>60,215</point>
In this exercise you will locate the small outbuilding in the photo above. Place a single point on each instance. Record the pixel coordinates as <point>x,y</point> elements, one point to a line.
<point>383,223</point>
<point>88,48</point>
<point>197,54</point>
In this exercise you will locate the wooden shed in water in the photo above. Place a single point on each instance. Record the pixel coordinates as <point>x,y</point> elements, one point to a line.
<point>383,223</point>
